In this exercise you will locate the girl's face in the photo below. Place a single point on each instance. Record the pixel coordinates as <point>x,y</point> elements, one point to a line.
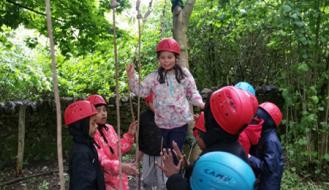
<point>101,116</point>
<point>167,60</point>
<point>92,125</point>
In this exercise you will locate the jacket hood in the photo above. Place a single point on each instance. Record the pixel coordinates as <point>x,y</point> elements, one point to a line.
<point>80,131</point>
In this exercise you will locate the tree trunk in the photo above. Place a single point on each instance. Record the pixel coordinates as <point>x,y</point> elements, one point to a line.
<point>181,18</point>
<point>56,94</point>
<point>21,139</point>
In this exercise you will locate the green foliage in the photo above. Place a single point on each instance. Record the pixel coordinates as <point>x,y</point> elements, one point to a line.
<point>291,181</point>
<point>24,73</point>
<point>44,185</point>
<point>284,43</point>
<point>78,24</point>
<point>25,62</point>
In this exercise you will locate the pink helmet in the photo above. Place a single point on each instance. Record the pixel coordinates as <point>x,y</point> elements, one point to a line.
<point>168,44</point>
<point>78,110</point>
<point>96,100</point>
<point>273,111</point>
<point>232,108</point>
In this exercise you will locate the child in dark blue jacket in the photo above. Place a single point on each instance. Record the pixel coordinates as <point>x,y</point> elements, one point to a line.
<point>266,157</point>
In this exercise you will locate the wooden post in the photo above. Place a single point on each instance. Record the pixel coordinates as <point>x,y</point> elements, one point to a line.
<point>56,95</point>
<point>21,139</point>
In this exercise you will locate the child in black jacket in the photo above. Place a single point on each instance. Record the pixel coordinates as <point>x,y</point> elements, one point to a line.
<point>226,114</point>
<point>84,169</point>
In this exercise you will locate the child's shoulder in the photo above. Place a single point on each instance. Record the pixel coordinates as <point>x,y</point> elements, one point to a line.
<point>186,71</point>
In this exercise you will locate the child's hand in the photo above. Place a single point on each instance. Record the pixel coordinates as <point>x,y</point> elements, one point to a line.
<point>168,166</point>
<point>179,154</point>
<point>196,116</point>
<point>130,70</point>
<point>132,128</point>
<point>202,106</point>
<point>129,169</point>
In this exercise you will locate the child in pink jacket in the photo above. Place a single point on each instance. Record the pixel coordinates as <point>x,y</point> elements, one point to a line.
<point>107,149</point>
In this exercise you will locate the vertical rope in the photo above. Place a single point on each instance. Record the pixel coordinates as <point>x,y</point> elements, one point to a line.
<point>139,16</point>
<point>163,18</point>
<point>114,4</point>
<point>138,62</point>
<point>56,94</point>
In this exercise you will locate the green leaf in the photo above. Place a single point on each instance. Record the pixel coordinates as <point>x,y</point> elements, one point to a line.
<point>286,8</point>
<point>299,23</point>
<point>315,99</point>
<point>302,68</point>
<point>326,157</point>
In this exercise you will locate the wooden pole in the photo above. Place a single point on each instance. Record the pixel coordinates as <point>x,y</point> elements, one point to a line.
<point>139,17</point>
<point>21,140</point>
<point>56,94</point>
<point>114,4</point>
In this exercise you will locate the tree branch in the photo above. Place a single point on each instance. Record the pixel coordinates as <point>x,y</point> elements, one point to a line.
<point>188,9</point>
<point>31,10</point>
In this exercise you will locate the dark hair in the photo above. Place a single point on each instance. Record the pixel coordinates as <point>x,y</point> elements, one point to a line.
<point>179,74</point>
<point>80,131</point>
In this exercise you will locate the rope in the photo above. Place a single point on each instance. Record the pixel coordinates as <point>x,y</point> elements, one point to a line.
<point>56,94</point>
<point>114,4</point>
<point>139,18</point>
<point>163,17</point>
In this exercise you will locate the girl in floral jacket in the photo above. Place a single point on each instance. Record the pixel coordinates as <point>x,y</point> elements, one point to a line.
<point>174,88</point>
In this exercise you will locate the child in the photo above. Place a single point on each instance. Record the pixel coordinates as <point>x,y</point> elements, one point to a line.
<point>266,158</point>
<point>150,147</point>
<point>107,139</point>
<point>227,112</point>
<point>84,169</point>
<point>173,87</point>
<point>251,134</point>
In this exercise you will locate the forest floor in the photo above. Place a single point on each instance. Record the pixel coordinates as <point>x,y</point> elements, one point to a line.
<point>38,176</point>
<point>48,179</point>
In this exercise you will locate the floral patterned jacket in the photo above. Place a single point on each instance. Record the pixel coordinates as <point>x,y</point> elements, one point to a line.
<point>171,99</point>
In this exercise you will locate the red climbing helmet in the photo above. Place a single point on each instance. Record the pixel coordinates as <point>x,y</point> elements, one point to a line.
<point>168,44</point>
<point>273,110</point>
<point>232,108</point>
<point>78,110</point>
<point>96,100</point>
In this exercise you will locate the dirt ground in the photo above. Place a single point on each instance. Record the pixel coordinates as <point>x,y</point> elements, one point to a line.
<point>47,180</point>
